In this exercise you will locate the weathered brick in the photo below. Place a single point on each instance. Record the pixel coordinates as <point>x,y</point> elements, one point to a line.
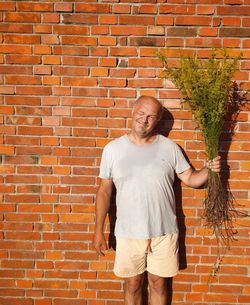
<point>81,19</point>
<point>182,32</point>
<point>235,10</point>
<point>147,41</point>
<point>177,9</point>
<point>121,8</point>
<point>234,32</point>
<point>64,7</point>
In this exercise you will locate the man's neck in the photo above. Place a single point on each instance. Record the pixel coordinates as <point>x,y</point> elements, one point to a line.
<point>138,140</point>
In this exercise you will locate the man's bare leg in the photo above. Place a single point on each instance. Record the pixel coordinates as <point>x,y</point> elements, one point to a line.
<point>158,290</point>
<point>133,290</point>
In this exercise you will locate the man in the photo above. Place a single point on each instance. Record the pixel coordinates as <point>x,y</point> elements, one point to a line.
<point>142,165</point>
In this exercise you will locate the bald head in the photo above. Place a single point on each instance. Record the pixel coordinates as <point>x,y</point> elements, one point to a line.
<point>151,100</point>
<point>146,114</point>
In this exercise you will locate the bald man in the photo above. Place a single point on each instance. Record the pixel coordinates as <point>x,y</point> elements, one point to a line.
<point>142,165</point>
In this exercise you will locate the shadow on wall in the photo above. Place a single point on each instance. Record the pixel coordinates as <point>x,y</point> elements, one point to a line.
<point>164,127</point>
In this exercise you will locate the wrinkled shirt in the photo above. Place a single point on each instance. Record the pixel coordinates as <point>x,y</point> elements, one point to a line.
<point>143,177</point>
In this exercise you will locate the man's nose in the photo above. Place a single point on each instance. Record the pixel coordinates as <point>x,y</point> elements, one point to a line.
<point>145,119</point>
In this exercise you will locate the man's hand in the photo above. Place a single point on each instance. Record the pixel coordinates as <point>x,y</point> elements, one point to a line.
<point>100,244</point>
<point>194,178</point>
<point>214,165</point>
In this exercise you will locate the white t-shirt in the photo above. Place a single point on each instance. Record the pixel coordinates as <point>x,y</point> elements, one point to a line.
<point>144,177</point>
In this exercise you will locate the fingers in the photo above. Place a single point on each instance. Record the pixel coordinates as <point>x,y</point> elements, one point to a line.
<point>217,158</point>
<point>101,250</point>
<point>214,165</point>
<point>100,245</point>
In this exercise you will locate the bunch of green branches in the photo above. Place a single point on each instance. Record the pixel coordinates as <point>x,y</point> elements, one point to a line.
<point>206,85</point>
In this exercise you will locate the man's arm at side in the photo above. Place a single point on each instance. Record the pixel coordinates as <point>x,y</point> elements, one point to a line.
<point>102,207</point>
<point>196,178</point>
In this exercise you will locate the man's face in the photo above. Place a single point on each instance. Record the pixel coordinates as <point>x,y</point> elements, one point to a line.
<point>145,116</point>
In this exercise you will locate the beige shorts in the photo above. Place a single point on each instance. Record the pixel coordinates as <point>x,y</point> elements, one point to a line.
<point>132,257</point>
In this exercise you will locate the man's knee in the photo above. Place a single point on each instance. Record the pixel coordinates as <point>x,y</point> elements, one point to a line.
<point>134,284</point>
<point>157,283</point>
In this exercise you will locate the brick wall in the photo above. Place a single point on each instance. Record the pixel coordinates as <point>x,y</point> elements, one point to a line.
<point>69,73</point>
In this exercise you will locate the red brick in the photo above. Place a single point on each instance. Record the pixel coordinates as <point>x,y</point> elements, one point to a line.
<point>93,8</point>
<point>16,28</point>
<point>7,6</point>
<point>164,20</point>
<point>63,7</point>
<point>22,80</point>
<point>198,42</point>
<point>41,49</point>
<point>231,43</point>
<point>43,28</point>
<point>124,93</point>
<point>206,10</point>
<point>231,21</point>
<point>155,83</point>
<point>79,40</point>
<point>177,9</point>
<point>22,17</point>
<point>107,41</point>
<point>128,30</point>
<point>117,51</point>
<point>236,10</point>
<point>82,19</point>
<point>34,7</point>
<point>77,81</point>
<point>202,20</point>
<point>208,32</point>
<point>15,49</point>
<point>51,60</point>
<point>121,9</point>
<point>23,39</point>
<point>35,131</point>
<point>33,90</point>
<point>136,20</point>
<point>79,61</point>
<point>51,18</point>
<point>182,32</point>
<point>23,59</point>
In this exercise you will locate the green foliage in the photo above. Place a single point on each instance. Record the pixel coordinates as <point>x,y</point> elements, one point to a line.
<point>206,86</point>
